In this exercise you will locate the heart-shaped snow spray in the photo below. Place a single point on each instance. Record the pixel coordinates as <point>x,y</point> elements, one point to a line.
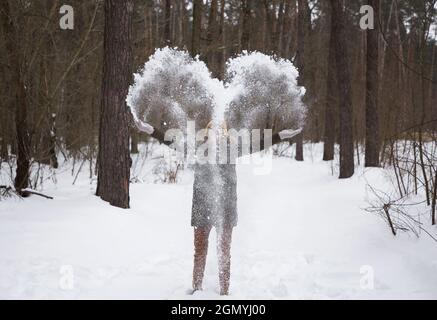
<point>259,92</point>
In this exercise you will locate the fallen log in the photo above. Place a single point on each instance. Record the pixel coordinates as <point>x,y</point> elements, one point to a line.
<point>28,192</point>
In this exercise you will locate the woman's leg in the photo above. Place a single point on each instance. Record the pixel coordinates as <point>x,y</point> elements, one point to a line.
<point>224,239</point>
<point>201,235</point>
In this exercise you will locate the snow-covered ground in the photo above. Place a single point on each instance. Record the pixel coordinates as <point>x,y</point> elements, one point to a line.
<point>302,234</point>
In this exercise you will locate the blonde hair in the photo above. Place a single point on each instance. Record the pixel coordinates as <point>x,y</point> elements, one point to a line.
<point>224,126</point>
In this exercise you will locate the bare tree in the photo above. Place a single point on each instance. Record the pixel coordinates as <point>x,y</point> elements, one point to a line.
<point>246,11</point>
<point>167,23</point>
<point>338,31</point>
<point>212,39</point>
<point>197,27</point>
<point>222,41</point>
<point>372,87</point>
<point>300,54</point>
<point>20,99</point>
<point>288,27</point>
<point>114,159</point>
<point>331,102</point>
<point>279,32</point>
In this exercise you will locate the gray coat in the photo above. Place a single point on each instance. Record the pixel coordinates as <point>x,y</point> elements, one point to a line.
<point>214,195</point>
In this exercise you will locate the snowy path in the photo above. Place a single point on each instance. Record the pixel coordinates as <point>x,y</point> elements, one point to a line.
<point>301,234</point>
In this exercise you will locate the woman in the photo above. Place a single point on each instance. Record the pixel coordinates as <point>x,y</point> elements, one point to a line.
<point>215,205</point>
<point>260,92</point>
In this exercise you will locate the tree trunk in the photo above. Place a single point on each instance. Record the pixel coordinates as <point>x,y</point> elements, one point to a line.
<point>52,141</point>
<point>4,153</point>
<point>222,40</point>
<point>167,23</point>
<point>268,25</point>
<point>301,41</point>
<point>288,26</point>
<point>300,64</point>
<point>48,155</point>
<point>338,31</point>
<point>148,29</point>
<point>331,102</point>
<point>197,27</point>
<point>372,87</point>
<point>245,35</point>
<point>21,105</point>
<point>280,30</point>
<point>134,141</point>
<point>212,58</point>
<point>114,159</point>
<point>434,201</point>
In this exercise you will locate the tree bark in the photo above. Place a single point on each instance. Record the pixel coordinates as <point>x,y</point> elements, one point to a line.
<point>300,64</point>
<point>434,201</point>
<point>288,26</point>
<point>280,31</point>
<point>331,102</point>
<point>338,31</point>
<point>167,23</point>
<point>372,87</point>
<point>148,29</point>
<point>212,54</point>
<point>222,40</point>
<point>21,105</point>
<point>245,35</point>
<point>197,27</point>
<point>114,158</point>
<point>268,26</point>
<point>4,152</point>
<point>134,141</point>
<point>300,54</point>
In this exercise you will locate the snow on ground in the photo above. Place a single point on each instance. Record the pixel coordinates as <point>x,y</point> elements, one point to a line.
<point>302,234</point>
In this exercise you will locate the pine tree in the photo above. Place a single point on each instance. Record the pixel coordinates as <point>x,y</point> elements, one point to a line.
<point>114,159</point>
<point>12,45</point>
<point>338,31</point>
<point>372,87</point>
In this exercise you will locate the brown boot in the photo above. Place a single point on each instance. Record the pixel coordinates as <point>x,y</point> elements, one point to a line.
<point>224,239</point>
<point>201,235</point>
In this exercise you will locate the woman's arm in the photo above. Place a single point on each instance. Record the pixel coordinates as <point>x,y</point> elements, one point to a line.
<point>282,136</point>
<point>289,134</point>
<point>151,131</point>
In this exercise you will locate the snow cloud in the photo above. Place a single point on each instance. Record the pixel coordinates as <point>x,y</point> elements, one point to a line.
<point>260,92</point>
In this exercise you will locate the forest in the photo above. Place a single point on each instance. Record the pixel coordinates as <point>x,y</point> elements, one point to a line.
<point>88,89</point>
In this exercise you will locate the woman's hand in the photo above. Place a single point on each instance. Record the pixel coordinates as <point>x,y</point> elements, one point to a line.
<point>289,133</point>
<point>144,127</point>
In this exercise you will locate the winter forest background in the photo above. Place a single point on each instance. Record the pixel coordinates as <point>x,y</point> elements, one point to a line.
<point>349,210</point>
